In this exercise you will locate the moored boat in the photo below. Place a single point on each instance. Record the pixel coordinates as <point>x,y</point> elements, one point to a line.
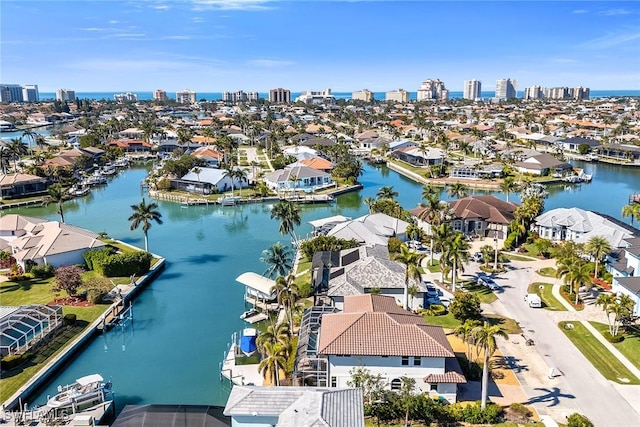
<point>84,393</point>
<point>229,200</point>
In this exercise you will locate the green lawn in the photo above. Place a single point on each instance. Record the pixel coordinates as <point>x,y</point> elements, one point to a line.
<point>510,326</point>
<point>630,347</point>
<point>598,354</point>
<point>303,265</point>
<point>24,292</point>
<point>547,272</point>
<point>435,268</point>
<point>446,321</point>
<point>549,301</point>
<point>518,258</point>
<point>485,294</point>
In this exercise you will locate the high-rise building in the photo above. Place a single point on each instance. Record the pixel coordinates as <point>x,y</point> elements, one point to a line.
<point>399,95</point>
<point>506,89</point>
<point>160,95</point>
<point>10,93</point>
<point>30,93</point>
<point>240,96</point>
<point>125,97</point>
<point>431,90</point>
<point>186,96</point>
<point>557,93</point>
<point>65,95</point>
<point>472,89</point>
<point>362,95</point>
<point>280,96</point>
<point>534,92</point>
<point>581,93</point>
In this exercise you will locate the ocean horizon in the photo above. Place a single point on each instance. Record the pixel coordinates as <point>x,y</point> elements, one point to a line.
<point>217,96</point>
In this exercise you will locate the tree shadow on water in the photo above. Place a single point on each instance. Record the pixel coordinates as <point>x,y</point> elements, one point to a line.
<point>203,258</point>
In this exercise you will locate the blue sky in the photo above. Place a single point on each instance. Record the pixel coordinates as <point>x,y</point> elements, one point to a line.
<point>255,45</point>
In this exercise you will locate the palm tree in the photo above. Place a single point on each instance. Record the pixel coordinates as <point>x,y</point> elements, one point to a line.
<point>57,195</point>
<point>369,201</point>
<point>16,148</point>
<point>411,261</point>
<point>464,332</point>
<point>508,185</point>
<point>275,334</point>
<point>272,362</point>
<point>484,338</point>
<point>621,307</point>
<point>429,191</point>
<point>287,294</point>
<point>575,273</point>
<point>30,134</point>
<point>386,193</point>
<point>457,190</point>
<point>278,259</point>
<point>456,253</point>
<point>289,216</point>
<point>598,247</point>
<point>631,210</point>
<point>441,235</point>
<point>143,214</point>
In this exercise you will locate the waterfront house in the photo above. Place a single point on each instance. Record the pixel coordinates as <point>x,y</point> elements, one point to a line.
<point>250,406</point>
<point>542,164</point>
<point>374,332</point>
<point>366,269</point>
<point>172,416</point>
<point>579,226</point>
<point>371,229</point>
<point>376,143</point>
<point>418,156</point>
<point>621,152</point>
<point>131,133</point>
<point>21,185</point>
<point>401,144</point>
<point>317,163</point>
<point>298,178</point>
<point>133,146</point>
<point>573,144</point>
<point>624,265</point>
<point>484,216</point>
<point>33,240</point>
<point>208,181</point>
<point>210,155</point>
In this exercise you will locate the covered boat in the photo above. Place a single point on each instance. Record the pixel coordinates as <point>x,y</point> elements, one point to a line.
<point>86,392</point>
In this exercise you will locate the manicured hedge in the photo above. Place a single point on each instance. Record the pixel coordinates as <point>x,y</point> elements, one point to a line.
<point>107,262</point>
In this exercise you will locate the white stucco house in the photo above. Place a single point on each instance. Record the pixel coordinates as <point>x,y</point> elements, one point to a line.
<point>297,178</point>
<point>579,226</point>
<point>208,181</point>
<point>373,332</point>
<point>40,241</point>
<point>371,229</point>
<point>252,406</point>
<point>625,268</point>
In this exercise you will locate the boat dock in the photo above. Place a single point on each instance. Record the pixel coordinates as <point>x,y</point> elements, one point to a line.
<point>40,418</point>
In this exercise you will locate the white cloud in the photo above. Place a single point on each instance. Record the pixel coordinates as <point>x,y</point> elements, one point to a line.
<point>611,40</point>
<point>579,11</point>
<point>252,5</point>
<point>615,12</point>
<point>268,63</point>
<point>127,35</point>
<point>178,37</point>
<point>113,22</point>
<point>160,7</point>
<point>197,19</point>
<point>93,29</point>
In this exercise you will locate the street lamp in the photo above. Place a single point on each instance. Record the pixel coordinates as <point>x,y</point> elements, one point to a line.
<point>495,254</point>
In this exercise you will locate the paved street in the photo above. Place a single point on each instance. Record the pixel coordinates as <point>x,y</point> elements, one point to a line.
<point>577,385</point>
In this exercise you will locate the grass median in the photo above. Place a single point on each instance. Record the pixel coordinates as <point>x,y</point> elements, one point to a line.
<point>599,356</point>
<point>545,292</point>
<point>630,346</point>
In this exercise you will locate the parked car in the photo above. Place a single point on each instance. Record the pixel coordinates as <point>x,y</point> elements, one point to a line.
<point>432,291</point>
<point>476,257</point>
<point>439,301</point>
<point>445,301</point>
<point>489,283</point>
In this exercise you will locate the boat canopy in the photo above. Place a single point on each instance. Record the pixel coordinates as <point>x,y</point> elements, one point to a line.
<point>90,379</point>
<point>260,284</point>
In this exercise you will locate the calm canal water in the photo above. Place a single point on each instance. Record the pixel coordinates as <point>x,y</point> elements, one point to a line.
<point>185,318</point>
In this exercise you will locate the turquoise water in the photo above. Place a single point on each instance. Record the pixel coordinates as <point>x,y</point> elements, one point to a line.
<point>213,96</point>
<point>184,320</point>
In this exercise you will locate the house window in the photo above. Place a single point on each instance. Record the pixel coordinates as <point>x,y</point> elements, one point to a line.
<point>396,384</point>
<point>457,225</point>
<point>417,361</point>
<point>433,387</point>
<point>405,360</point>
<point>334,382</point>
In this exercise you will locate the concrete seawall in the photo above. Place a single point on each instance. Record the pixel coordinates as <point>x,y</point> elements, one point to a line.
<point>76,345</point>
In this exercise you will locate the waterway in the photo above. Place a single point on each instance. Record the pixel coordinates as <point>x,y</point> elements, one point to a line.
<point>184,320</point>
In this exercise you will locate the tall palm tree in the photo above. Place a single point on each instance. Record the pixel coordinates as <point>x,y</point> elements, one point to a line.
<point>16,149</point>
<point>457,190</point>
<point>598,247</point>
<point>56,194</point>
<point>275,334</point>
<point>30,134</point>
<point>574,273</point>
<point>631,210</point>
<point>484,337</point>
<point>429,191</point>
<point>386,193</point>
<point>464,332</point>
<point>369,201</point>
<point>287,294</point>
<point>441,235</point>
<point>272,362</point>
<point>411,261</point>
<point>144,213</point>
<point>289,216</point>
<point>278,259</point>
<point>456,253</point>
<point>508,186</point>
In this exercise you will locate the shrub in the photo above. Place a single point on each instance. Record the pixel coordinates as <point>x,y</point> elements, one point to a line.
<point>474,414</point>
<point>613,338</point>
<point>326,243</point>
<point>465,306</point>
<point>10,362</point>
<point>437,310</point>
<point>394,245</point>
<point>110,264</point>
<point>520,410</point>
<point>43,271</point>
<point>68,279</point>
<point>69,319</point>
<point>578,420</point>
<point>305,289</point>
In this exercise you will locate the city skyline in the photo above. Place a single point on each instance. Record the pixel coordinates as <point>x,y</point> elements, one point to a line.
<point>257,45</point>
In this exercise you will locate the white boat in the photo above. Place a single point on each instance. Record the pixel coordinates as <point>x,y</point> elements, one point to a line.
<point>86,392</point>
<point>108,170</point>
<point>229,200</point>
<point>79,190</point>
<point>121,162</point>
<point>95,179</point>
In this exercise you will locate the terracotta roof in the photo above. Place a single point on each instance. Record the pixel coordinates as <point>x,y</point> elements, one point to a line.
<point>447,377</point>
<point>379,333</point>
<point>371,303</point>
<point>489,208</point>
<point>317,163</point>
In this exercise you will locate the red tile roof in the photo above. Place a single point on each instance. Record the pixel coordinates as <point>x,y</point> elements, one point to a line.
<point>317,163</point>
